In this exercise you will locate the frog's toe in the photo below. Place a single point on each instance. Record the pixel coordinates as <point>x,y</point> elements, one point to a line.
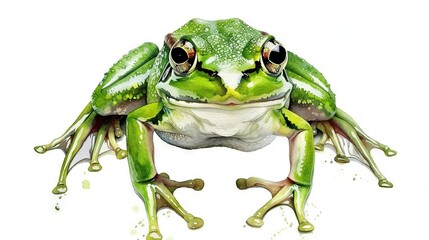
<point>341,158</point>
<point>255,221</point>
<point>121,153</point>
<point>195,223</point>
<point>40,149</point>
<point>389,152</point>
<point>385,183</point>
<point>241,183</point>
<point>197,184</point>
<point>319,147</point>
<point>305,227</point>
<point>60,189</point>
<point>154,235</point>
<point>95,167</point>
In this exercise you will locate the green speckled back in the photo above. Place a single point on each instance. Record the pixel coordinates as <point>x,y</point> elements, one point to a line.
<point>224,43</point>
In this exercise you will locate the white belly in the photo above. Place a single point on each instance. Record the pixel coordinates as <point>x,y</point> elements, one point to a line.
<point>245,127</point>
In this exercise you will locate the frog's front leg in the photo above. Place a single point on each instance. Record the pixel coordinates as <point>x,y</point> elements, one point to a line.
<point>156,190</point>
<point>295,189</point>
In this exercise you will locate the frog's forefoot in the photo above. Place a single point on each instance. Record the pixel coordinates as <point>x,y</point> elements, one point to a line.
<point>158,193</point>
<point>345,126</point>
<point>283,192</point>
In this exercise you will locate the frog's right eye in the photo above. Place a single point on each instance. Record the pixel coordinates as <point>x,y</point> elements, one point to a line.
<point>183,58</point>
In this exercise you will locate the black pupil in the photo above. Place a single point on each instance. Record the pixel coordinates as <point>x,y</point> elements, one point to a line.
<point>277,55</point>
<point>179,55</point>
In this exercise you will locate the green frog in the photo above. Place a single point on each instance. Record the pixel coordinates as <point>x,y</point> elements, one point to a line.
<point>214,84</point>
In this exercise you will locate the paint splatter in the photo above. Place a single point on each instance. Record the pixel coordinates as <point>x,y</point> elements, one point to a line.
<point>86,184</point>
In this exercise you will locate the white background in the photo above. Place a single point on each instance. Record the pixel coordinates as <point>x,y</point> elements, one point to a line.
<point>53,54</point>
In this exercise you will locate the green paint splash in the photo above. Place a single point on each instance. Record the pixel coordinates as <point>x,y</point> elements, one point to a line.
<point>86,184</point>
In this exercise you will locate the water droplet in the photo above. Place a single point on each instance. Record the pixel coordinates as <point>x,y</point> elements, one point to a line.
<point>135,208</point>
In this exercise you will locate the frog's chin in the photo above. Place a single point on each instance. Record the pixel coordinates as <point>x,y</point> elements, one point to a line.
<point>230,103</point>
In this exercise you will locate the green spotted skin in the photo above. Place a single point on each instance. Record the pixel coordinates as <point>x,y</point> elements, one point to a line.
<point>224,47</point>
<point>123,87</point>
<point>223,44</point>
<point>311,97</point>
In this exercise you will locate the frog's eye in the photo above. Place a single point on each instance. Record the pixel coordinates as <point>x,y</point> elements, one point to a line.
<point>273,57</point>
<point>183,58</point>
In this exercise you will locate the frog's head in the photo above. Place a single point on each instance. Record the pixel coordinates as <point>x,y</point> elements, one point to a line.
<point>223,62</point>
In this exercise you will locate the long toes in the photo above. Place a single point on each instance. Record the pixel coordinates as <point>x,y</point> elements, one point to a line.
<point>154,235</point>
<point>340,158</point>
<point>195,223</point>
<point>59,189</point>
<point>305,227</point>
<point>40,149</point>
<point>385,184</point>
<point>241,183</point>
<point>255,221</point>
<point>95,167</point>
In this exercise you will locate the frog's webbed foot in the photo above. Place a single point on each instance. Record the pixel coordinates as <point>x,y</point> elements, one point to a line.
<point>88,126</point>
<point>158,193</point>
<point>342,126</point>
<point>283,192</point>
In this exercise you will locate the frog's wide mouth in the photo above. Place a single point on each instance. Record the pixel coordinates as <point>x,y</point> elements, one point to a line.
<point>229,103</point>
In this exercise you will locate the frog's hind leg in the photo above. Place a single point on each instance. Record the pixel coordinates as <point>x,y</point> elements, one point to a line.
<point>77,140</point>
<point>320,145</point>
<point>60,142</point>
<point>369,142</point>
<point>94,164</point>
<point>352,135</point>
<point>115,131</point>
<point>87,124</point>
<point>328,132</point>
<point>343,125</point>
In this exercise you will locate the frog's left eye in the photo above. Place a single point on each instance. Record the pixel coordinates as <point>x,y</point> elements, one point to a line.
<point>183,58</point>
<point>273,57</point>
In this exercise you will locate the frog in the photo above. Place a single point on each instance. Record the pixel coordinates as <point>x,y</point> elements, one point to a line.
<point>217,83</point>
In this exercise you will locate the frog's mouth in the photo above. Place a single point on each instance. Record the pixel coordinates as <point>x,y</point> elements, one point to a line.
<point>230,103</point>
